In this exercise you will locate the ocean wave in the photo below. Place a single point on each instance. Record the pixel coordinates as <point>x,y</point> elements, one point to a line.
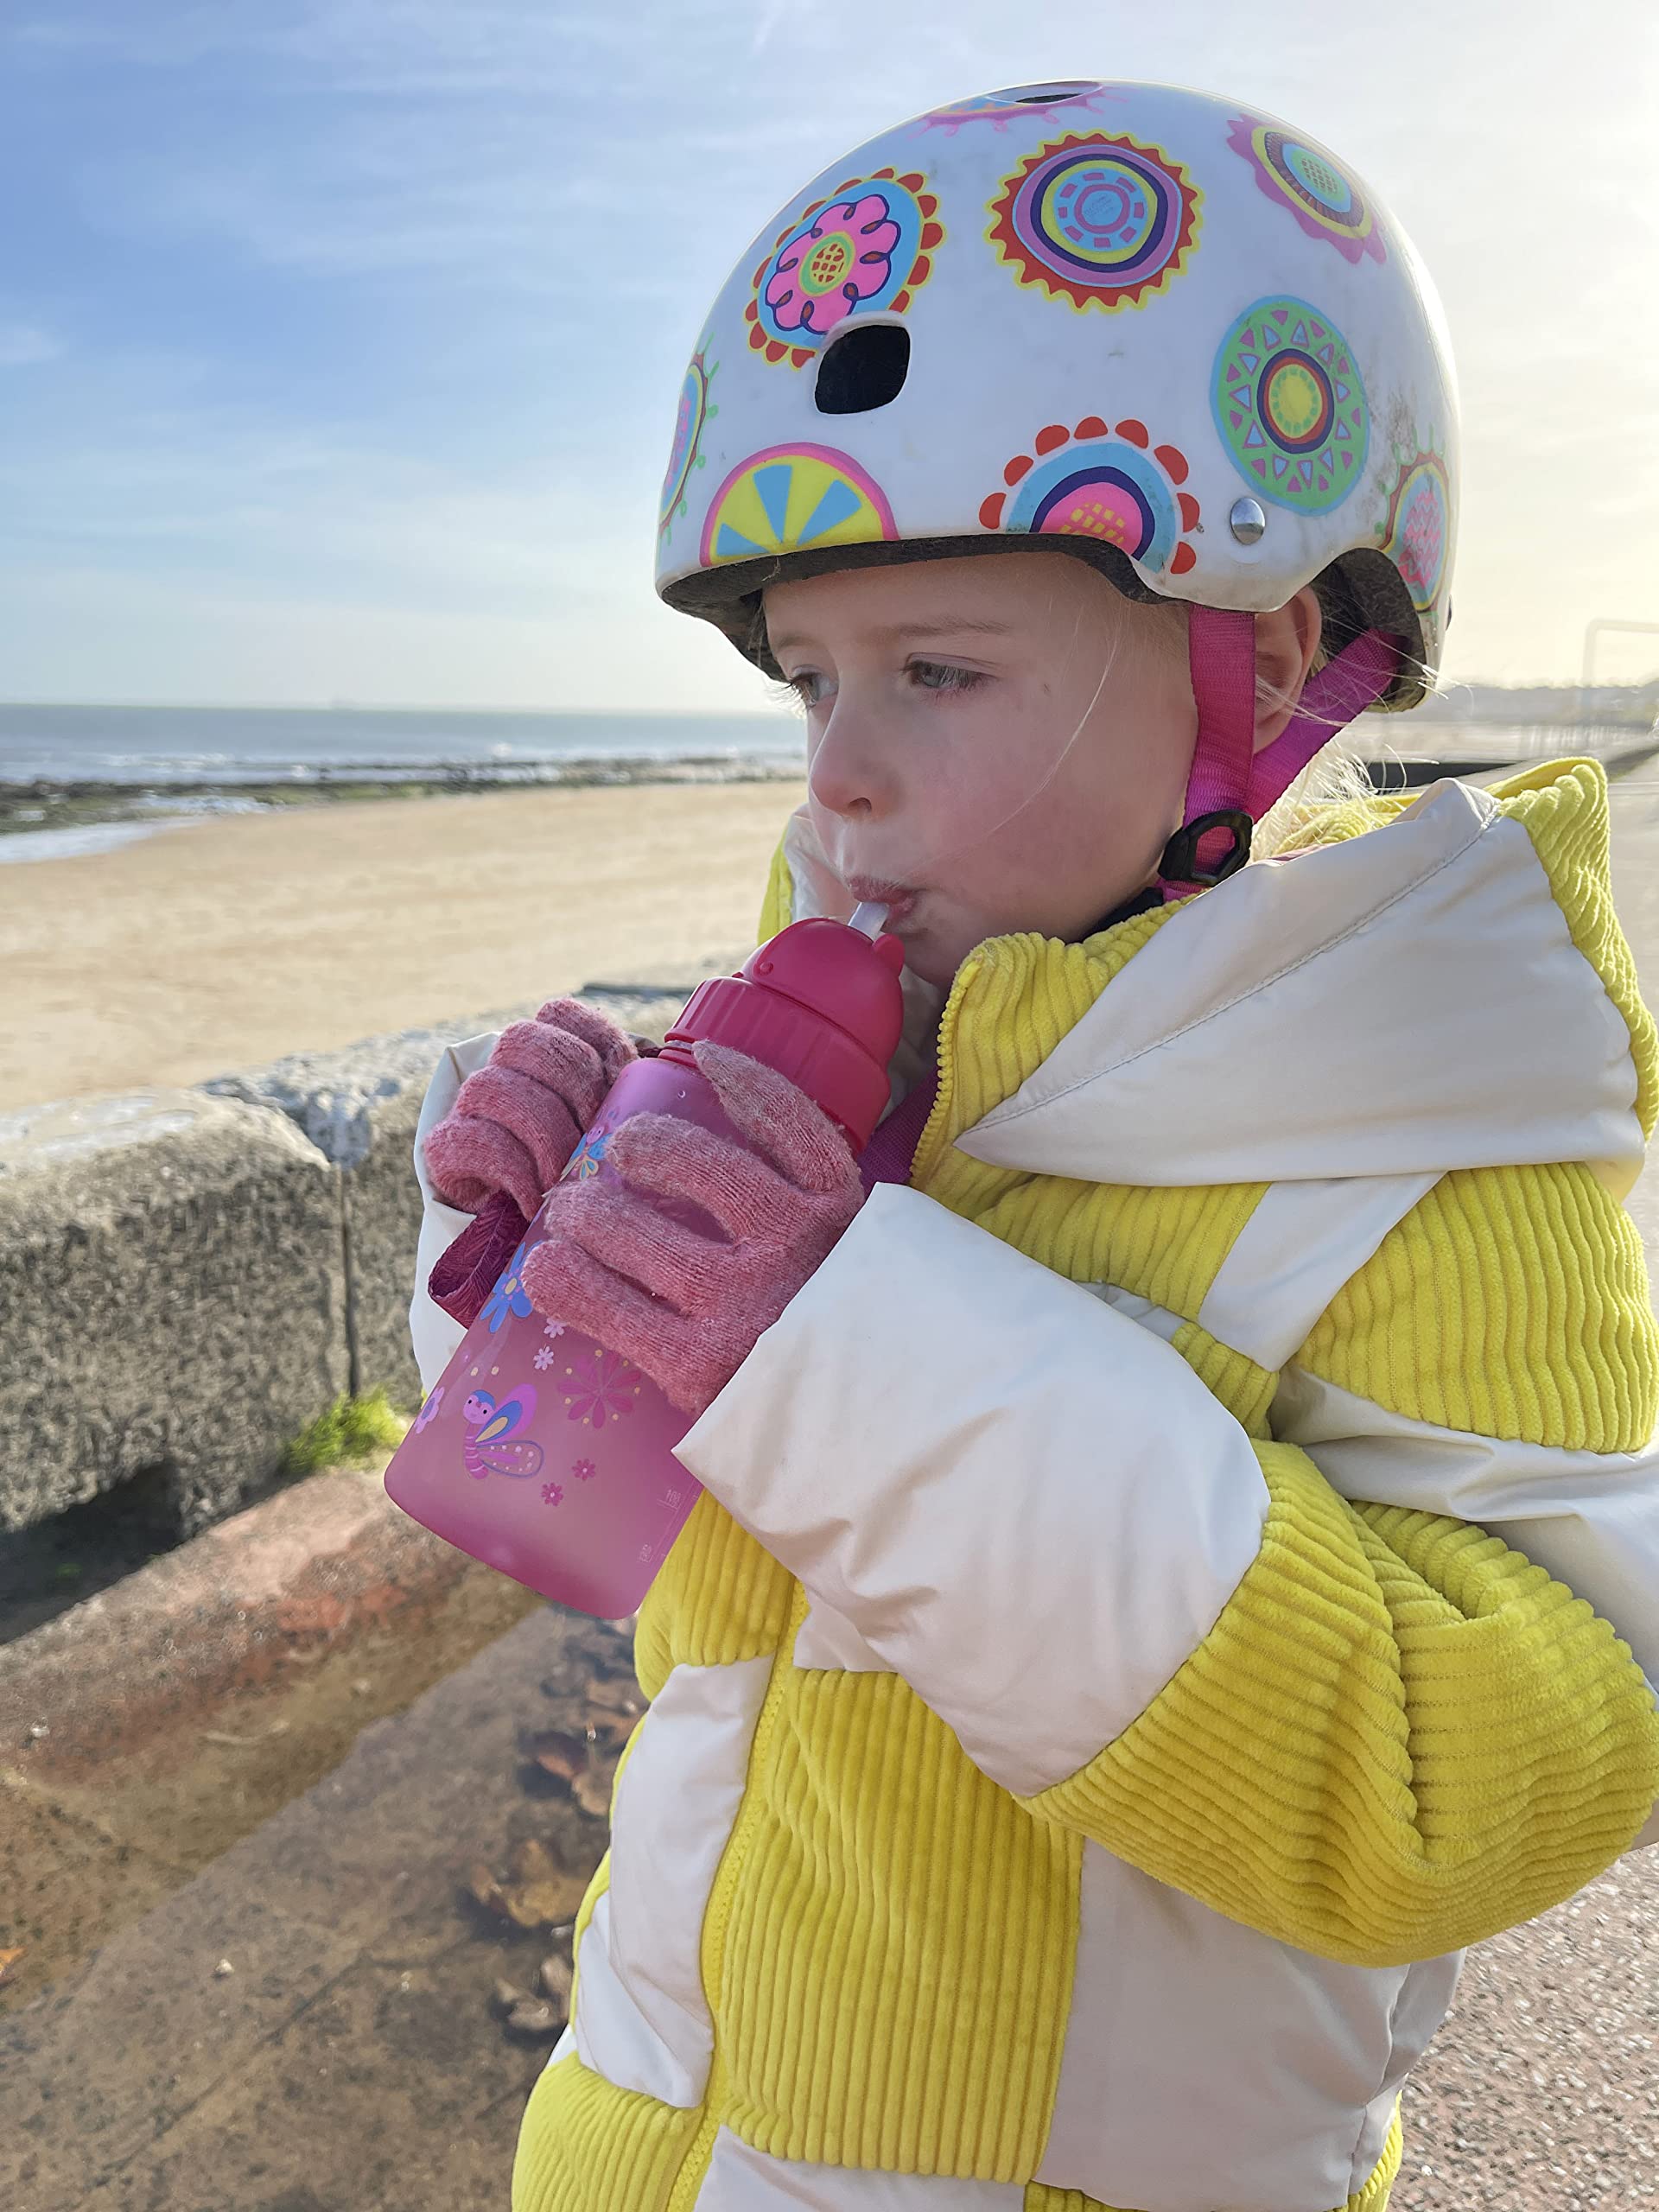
<point>228,745</point>
<point>57,807</point>
<point>83,840</point>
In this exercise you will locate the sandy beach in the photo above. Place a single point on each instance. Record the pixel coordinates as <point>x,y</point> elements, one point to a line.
<point>234,940</point>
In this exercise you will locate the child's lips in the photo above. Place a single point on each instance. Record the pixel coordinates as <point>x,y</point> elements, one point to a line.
<point>899,898</point>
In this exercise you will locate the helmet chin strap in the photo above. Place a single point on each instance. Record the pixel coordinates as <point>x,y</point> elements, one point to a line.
<point>1232,785</point>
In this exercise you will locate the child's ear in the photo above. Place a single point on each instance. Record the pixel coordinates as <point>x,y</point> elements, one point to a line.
<point>1286,643</point>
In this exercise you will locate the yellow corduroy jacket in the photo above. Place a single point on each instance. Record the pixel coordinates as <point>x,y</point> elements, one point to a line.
<point>1170,1580</point>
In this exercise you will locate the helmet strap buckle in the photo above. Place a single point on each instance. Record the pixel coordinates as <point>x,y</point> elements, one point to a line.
<point>1181,863</point>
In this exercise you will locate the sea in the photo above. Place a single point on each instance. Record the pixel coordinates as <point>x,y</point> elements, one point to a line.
<point>78,779</point>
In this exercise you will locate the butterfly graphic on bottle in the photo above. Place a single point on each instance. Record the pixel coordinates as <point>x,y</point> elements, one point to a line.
<point>493,1444</point>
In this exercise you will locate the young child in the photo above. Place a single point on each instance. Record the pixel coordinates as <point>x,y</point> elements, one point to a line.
<point>1169,1571</point>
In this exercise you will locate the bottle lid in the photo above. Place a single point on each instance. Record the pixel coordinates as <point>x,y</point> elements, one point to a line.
<point>823,1005</point>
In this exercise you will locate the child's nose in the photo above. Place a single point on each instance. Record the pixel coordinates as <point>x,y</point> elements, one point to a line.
<point>850,772</point>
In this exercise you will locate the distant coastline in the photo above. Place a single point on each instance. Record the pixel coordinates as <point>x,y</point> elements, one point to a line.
<point>43,804</point>
<point>79,779</point>
<point>82,779</point>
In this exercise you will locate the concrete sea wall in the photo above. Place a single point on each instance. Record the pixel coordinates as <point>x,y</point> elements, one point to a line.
<point>189,1278</point>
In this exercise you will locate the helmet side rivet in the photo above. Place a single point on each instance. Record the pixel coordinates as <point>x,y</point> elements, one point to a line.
<point>1247,521</point>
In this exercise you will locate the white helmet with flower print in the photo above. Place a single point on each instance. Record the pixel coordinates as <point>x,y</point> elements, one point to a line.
<point>1170,334</point>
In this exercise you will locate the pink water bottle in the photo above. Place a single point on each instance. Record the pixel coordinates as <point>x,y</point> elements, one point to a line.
<point>547,1455</point>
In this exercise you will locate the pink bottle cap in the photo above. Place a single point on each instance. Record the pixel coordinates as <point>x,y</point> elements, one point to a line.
<point>823,1005</point>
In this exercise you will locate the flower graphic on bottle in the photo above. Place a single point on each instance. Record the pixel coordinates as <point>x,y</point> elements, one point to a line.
<point>584,1160</point>
<point>543,1358</point>
<point>551,1494</point>
<point>584,1471</point>
<point>509,1295</point>
<point>602,1386</point>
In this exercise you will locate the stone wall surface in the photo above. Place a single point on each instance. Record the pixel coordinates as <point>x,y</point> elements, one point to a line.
<point>172,1300</point>
<point>359,1108</point>
<point>188,1277</point>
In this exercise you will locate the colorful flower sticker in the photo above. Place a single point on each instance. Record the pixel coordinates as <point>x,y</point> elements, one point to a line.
<point>1415,529</point>
<point>1099,482</point>
<point>866,248</point>
<point>1020,103</point>
<point>686,453</point>
<point>1290,405</point>
<point>1326,200</point>
<point>1098,221</point>
<point>788,498</point>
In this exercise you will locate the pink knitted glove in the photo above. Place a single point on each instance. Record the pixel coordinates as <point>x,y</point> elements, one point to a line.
<point>684,1306</point>
<point>515,1123</point>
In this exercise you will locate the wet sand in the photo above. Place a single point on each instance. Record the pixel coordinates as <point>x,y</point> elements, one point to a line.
<point>233,941</point>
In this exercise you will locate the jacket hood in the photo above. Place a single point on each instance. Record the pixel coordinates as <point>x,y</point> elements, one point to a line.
<point>1448,989</point>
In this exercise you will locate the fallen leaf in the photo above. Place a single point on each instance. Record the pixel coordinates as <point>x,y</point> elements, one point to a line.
<point>245,1743</point>
<point>483,1885</point>
<point>559,1753</point>
<point>8,1959</point>
<point>541,1893</point>
<point>504,1997</point>
<point>556,1979</point>
<point>536,2017</point>
<point>615,1695</point>
<point>593,1790</point>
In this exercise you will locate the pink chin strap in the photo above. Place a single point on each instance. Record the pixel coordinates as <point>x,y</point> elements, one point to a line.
<point>1232,785</point>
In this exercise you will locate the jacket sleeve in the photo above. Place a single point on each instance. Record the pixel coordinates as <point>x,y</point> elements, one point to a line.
<point>1374,1732</point>
<point>432,1332</point>
<point>1590,1519</point>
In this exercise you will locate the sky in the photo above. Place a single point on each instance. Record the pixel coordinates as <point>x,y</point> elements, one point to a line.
<point>339,340</point>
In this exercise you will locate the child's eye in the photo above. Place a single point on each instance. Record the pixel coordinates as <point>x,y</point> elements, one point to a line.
<point>942,675</point>
<point>809,687</point>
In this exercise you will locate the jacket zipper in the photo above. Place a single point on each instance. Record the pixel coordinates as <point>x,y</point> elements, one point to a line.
<point>927,1145</point>
<point>694,2165</point>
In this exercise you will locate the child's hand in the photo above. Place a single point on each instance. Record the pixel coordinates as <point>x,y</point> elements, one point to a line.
<point>515,1123</point>
<point>687,1308</point>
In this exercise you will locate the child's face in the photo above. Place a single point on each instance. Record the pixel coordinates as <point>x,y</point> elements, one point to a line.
<point>941,695</point>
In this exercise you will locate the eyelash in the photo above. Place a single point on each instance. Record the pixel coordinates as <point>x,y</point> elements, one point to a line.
<point>956,679</point>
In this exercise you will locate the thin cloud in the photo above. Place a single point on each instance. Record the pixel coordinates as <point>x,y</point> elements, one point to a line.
<point>22,344</point>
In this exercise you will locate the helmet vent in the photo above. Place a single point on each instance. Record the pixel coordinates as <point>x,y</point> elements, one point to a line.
<point>863,369</point>
<point>1054,94</point>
